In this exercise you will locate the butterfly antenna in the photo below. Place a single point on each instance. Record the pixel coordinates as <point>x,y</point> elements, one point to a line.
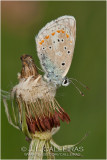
<point>79,83</point>
<point>77,88</point>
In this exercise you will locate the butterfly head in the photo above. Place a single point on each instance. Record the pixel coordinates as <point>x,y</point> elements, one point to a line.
<point>65,82</point>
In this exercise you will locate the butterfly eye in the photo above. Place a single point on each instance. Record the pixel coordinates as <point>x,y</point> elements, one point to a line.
<point>58,40</point>
<point>65,82</point>
<point>62,40</point>
<point>50,47</point>
<point>53,41</point>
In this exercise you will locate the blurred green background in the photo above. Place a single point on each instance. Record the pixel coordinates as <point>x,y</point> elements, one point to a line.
<point>20,22</point>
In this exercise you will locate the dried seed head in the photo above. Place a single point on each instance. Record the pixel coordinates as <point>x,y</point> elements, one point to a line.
<point>42,111</point>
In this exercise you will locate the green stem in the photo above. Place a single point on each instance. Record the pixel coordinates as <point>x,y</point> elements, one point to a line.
<point>49,152</point>
<point>36,149</point>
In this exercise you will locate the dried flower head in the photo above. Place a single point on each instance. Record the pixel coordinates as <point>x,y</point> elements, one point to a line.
<point>37,97</point>
<point>36,111</point>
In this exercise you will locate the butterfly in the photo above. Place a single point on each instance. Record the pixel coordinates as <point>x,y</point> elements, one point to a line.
<point>55,46</point>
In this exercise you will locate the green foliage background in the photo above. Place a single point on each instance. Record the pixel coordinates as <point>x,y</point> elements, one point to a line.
<point>20,22</point>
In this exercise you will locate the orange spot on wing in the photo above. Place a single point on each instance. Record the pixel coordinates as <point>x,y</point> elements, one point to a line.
<point>47,37</point>
<point>70,41</point>
<point>42,41</point>
<point>67,35</point>
<point>62,31</point>
<point>58,31</point>
<point>53,33</point>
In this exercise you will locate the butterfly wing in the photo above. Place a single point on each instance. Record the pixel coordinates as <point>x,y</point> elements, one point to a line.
<point>55,45</point>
